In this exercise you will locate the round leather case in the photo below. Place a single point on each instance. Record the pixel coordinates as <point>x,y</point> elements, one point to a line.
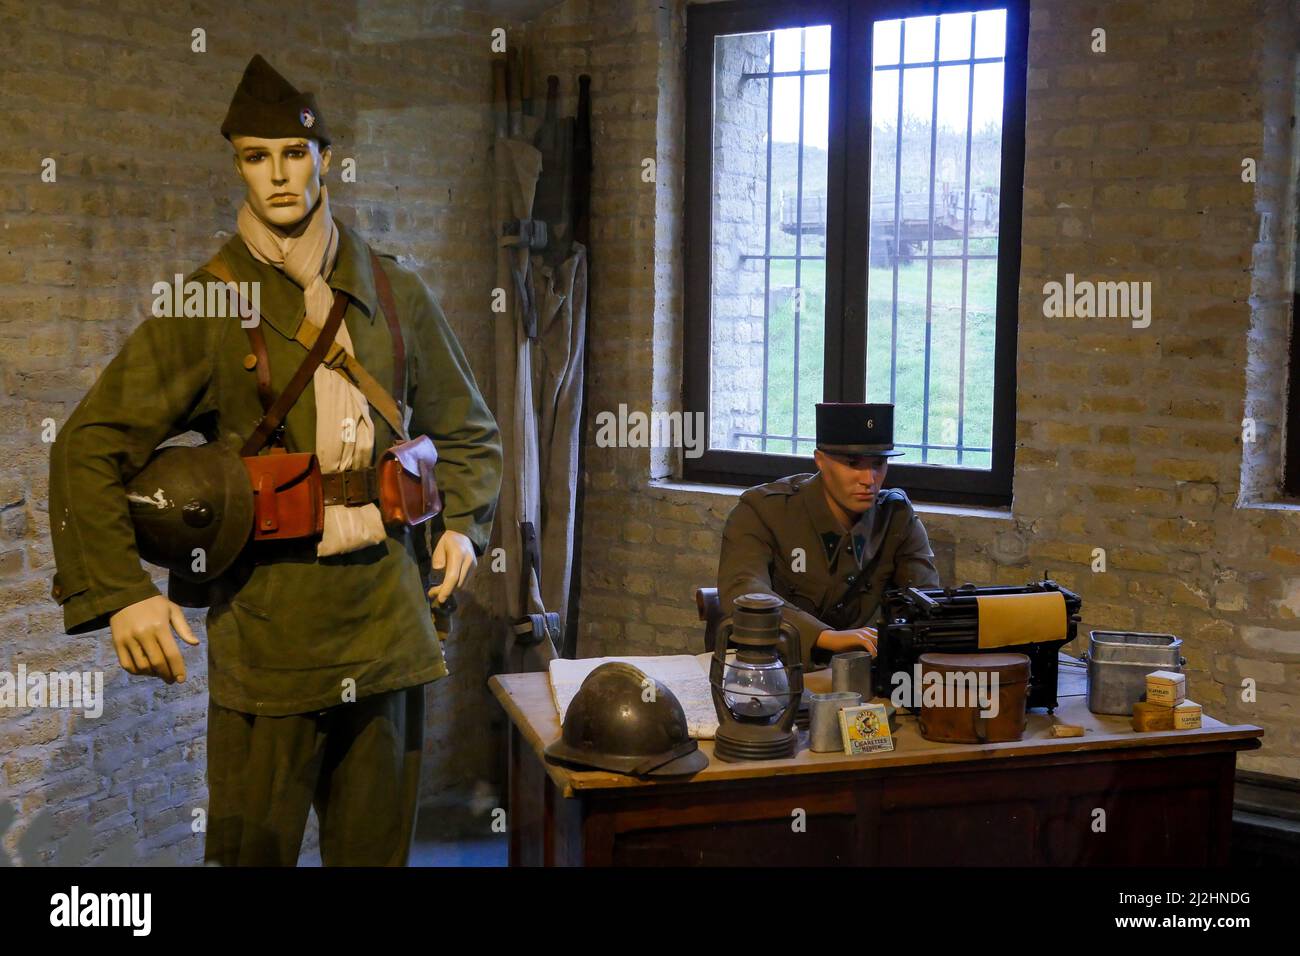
<point>953,712</point>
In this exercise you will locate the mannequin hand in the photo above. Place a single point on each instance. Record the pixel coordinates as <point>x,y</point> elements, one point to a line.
<point>854,639</point>
<point>455,557</point>
<point>142,636</point>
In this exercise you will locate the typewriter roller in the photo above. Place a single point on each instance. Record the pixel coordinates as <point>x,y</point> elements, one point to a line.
<point>918,621</point>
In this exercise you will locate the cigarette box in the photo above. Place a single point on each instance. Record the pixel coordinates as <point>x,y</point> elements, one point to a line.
<point>1187,715</point>
<point>1166,687</point>
<point>1148,716</point>
<point>865,729</point>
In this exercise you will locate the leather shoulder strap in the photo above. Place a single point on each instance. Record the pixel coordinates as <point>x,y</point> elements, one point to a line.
<point>284,401</point>
<point>337,359</point>
<point>389,307</point>
<point>896,521</point>
<point>334,356</point>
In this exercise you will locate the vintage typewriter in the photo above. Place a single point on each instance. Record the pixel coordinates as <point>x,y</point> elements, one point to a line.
<point>916,621</point>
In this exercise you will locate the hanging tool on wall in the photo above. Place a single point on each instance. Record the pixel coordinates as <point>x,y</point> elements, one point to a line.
<point>540,343</point>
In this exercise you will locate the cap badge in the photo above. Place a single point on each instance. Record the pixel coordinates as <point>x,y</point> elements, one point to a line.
<point>307,118</point>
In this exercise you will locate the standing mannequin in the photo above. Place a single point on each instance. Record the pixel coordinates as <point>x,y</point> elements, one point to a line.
<point>318,650</point>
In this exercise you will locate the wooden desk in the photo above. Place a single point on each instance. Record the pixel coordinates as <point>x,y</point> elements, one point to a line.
<point>1166,797</point>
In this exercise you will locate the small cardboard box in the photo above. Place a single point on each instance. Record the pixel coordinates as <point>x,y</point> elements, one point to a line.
<point>1168,688</point>
<point>865,729</point>
<point>1148,717</point>
<point>1187,715</point>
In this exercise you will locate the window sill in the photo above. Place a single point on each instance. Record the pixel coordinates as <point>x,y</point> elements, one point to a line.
<point>665,488</point>
<point>672,489</point>
<point>1268,504</point>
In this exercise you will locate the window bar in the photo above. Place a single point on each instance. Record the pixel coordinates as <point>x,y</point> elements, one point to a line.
<point>798,249</point>
<point>965,249</point>
<point>775,74</point>
<point>897,444</point>
<point>939,257</point>
<point>767,238</point>
<point>898,216</point>
<point>929,257</point>
<point>900,65</point>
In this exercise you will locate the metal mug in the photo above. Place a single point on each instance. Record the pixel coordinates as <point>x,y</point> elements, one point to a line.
<point>824,734</point>
<point>851,671</point>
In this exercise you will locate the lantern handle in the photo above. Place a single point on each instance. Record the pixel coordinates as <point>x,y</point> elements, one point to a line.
<point>795,660</point>
<point>722,637</point>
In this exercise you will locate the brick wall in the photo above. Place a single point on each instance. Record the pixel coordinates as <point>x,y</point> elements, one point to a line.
<point>1128,439</point>
<point>146,188</point>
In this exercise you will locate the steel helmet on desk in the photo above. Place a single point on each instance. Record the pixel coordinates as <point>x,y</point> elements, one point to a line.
<point>610,725</point>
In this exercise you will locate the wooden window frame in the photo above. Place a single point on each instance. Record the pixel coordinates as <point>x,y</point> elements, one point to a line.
<point>844,371</point>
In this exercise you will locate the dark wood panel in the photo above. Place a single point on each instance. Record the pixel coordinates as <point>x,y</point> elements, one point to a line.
<point>829,840</point>
<point>1161,806</point>
<point>1165,825</point>
<point>526,814</point>
<point>977,834</point>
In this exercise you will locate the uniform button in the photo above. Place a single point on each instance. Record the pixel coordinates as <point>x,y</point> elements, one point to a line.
<point>58,591</point>
<point>840,606</point>
<point>250,361</point>
<point>850,579</point>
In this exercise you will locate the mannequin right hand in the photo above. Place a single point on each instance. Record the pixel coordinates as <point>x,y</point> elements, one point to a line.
<point>142,636</point>
<point>853,639</point>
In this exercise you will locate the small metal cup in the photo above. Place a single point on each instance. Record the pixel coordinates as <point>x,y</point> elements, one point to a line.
<point>851,671</point>
<point>824,720</point>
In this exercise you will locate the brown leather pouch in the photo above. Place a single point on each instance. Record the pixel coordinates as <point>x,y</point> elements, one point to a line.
<point>960,721</point>
<point>287,498</point>
<point>408,493</point>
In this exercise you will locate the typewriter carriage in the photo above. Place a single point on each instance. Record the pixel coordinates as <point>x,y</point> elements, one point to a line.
<point>916,621</point>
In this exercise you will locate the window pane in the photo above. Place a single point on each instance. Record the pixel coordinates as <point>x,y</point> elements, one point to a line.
<point>990,33</point>
<point>817,55</point>
<point>768,282</point>
<point>885,41</point>
<point>786,123</point>
<point>918,39</point>
<point>955,36</point>
<point>788,44</point>
<point>936,140</point>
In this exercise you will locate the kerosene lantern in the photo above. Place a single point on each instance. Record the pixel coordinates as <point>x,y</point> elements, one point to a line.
<point>757,693</point>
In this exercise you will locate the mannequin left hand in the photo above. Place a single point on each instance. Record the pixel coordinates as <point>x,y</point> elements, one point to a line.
<point>455,557</point>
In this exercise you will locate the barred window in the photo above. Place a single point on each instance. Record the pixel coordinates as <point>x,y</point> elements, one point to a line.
<point>853,233</point>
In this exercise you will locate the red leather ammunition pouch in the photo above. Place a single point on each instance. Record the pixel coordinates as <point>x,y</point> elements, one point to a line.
<point>408,493</point>
<point>287,497</point>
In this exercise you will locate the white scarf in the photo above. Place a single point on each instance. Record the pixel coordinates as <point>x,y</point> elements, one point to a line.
<point>345,434</point>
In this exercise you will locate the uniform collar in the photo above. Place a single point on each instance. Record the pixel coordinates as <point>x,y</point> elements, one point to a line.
<point>814,496</point>
<point>353,272</point>
<point>828,529</point>
<point>282,304</point>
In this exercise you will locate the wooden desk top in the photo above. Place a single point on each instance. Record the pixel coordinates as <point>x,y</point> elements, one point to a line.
<point>527,701</point>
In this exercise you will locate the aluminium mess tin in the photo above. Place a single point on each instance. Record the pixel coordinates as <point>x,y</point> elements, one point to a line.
<point>1118,665</point>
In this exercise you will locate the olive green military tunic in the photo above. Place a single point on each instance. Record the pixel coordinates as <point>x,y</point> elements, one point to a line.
<point>286,630</point>
<point>782,539</point>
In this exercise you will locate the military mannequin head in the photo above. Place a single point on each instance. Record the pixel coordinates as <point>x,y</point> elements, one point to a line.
<point>852,482</point>
<point>855,441</point>
<point>282,145</point>
<point>283,176</point>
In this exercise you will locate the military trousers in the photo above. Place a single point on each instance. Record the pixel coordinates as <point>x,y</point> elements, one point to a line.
<point>357,763</point>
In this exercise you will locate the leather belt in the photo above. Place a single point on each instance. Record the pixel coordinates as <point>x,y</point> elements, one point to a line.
<point>352,488</point>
